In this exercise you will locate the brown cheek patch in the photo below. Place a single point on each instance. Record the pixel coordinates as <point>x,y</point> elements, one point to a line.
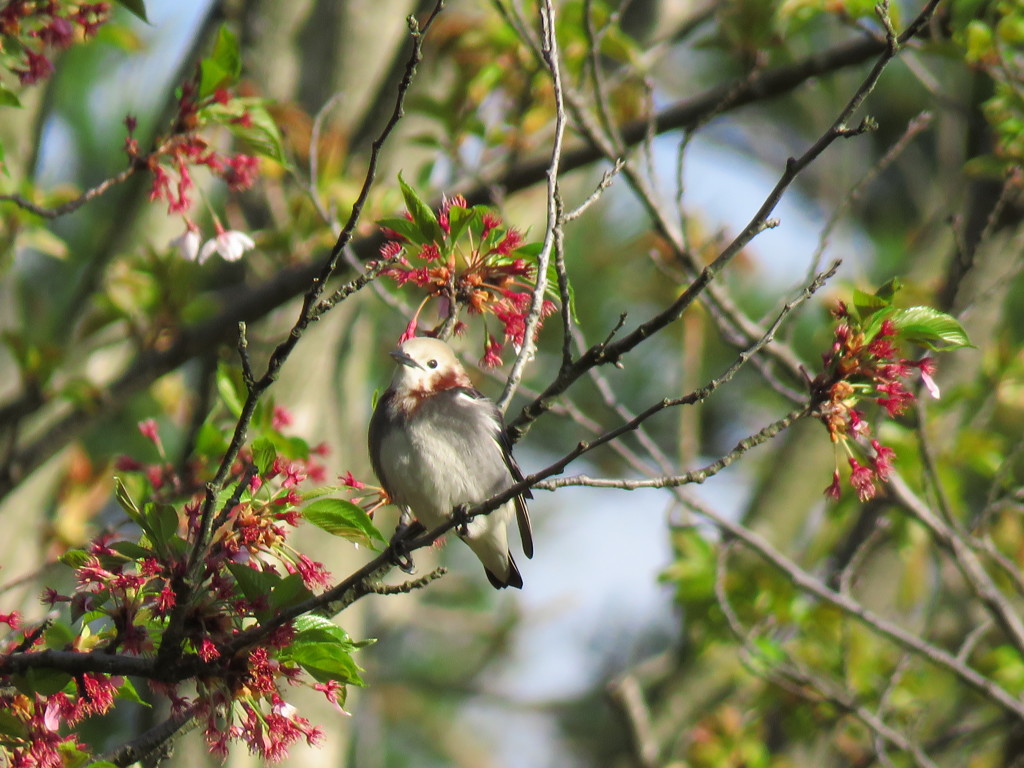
<point>441,382</point>
<point>450,380</point>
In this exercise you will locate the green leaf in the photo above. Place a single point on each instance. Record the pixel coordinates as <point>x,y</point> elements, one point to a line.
<point>58,635</point>
<point>75,558</point>
<point>317,629</point>
<point>210,441</point>
<point>45,242</point>
<point>253,584</point>
<point>222,68</point>
<point>402,226</point>
<point>137,7</point>
<point>460,219</point>
<point>102,764</point>
<point>889,290</point>
<point>343,518</point>
<point>294,447</point>
<point>263,455</point>
<point>325,661</point>
<point>12,726</point>
<point>127,692</point>
<point>8,98</point>
<point>867,304</point>
<point>323,490</point>
<point>529,251</point>
<point>261,134</point>
<point>125,500</point>
<point>771,652</point>
<point>422,215</point>
<point>288,591</point>
<point>162,522</point>
<point>131,550</point>
<point>228,391</point>
<point>45,682</point>
<point>72,755</point>
<point>553,289</point>
<point>930,328</point>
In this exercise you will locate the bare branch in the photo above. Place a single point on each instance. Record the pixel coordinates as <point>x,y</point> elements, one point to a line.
<point>905,639</point>
<point>795,672</point>
<point>549,51</point>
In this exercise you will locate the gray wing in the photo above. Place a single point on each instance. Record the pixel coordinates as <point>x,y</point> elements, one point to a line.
<point>382,420</point>
<point>522,513</point>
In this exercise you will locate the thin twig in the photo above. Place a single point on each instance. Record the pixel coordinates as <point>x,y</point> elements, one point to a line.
<point>761,221</point>
<point>914,128</point>
<point>795,672</point>
<point>606,181</point>
<point>549,51</point>
<point>407,586</point>
<point>251,304</point>
<point>905,639</point>
<point>143,745</point>
<point>312,309</point>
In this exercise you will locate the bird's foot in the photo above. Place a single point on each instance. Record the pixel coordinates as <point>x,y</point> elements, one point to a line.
<point>405,532</point>
<point>461,520</point>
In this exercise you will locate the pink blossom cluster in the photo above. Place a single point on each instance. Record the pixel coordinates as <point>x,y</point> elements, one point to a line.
<point>128,589</point>
<point>186,149</point>
<point>38,28</point>
<point>481,270</point>
<point>41,744</point>
<point>249,708</point>
<point>855,369</point>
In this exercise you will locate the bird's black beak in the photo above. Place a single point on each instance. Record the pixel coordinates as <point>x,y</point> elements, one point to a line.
<point>404,359</point>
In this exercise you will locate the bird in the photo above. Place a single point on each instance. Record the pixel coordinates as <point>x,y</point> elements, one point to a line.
<point>436,444</point>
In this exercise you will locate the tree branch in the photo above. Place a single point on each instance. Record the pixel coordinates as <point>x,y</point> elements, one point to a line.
<point>251,304</point>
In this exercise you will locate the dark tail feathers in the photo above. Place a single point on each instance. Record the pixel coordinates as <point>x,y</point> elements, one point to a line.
<point>515,579</point>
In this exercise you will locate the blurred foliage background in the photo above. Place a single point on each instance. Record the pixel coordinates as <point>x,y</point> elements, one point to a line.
<point>645,635</point>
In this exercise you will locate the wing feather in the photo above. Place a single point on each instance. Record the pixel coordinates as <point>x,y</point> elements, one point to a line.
<point>522,512</point>
<point>380,422</point>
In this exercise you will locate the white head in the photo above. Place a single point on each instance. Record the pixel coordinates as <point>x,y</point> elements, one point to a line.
<point>427,366</point>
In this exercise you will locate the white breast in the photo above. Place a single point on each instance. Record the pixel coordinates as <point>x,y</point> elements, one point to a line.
<point>447,455</point>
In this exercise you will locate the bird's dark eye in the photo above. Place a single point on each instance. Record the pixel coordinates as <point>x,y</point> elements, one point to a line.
<point>432,364</point>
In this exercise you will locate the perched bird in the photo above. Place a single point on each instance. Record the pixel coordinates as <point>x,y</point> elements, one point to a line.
<point>437,443</point>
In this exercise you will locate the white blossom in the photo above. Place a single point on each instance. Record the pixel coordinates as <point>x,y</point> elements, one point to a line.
<point>230,245</point>
<point>187,244</point>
